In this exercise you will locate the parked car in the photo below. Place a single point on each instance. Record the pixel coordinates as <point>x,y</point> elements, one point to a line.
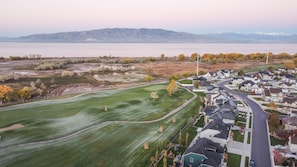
<point>252,163</point>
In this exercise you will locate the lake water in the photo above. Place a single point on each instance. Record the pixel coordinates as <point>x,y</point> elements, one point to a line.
<point>136,49</point>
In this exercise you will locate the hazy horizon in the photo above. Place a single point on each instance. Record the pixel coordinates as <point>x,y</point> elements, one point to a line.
<point>20,18</point>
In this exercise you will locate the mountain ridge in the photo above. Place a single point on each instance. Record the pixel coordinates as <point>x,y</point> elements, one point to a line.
<point>147,35</point>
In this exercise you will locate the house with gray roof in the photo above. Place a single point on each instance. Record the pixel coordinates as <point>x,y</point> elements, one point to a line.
<point>203,153</point>
<point>216,131</point>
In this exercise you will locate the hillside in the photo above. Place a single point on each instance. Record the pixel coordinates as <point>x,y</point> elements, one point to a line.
<point>145,35</point>
<point>118,35</point>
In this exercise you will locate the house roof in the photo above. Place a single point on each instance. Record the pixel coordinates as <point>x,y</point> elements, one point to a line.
<point>223,113</point>
<point>200,79</point>
<point>275,90</point>
<point>290,100</point>
<point>219,125</point>
<point>247,82</point>
<point>209,110</point>
<point>267,92</point>
<point>213,151</point>
<point>230,104</point>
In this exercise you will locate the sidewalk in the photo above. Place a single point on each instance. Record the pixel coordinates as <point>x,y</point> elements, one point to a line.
<point>243,149</point>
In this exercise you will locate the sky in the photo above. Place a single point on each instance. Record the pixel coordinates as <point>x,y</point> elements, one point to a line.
<point>25,17</point>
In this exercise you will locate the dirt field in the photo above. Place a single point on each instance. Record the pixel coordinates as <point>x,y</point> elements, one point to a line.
<point>167,68</point>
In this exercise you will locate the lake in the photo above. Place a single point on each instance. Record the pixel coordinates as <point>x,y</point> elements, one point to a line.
<point>136,49</point>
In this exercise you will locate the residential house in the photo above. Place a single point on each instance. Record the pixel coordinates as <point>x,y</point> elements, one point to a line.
<point>210,76</point>
<point>273,94</point>
<point>225,114</point>
<point>203,153</point>
<point>223,74</point>
<point>290,123</point>
<point>216,131</point>
<point>266,95</point>
<point>265,75</point>
<point>220,99</point>
<point>250,77</point>
<point>252,87</point>
<point>288,78</point>
<point>202,81</point>
<point>276,94</point>
<point>290,101</point>
<point>286,87</point>
<point>237,81</point>
<point>212,89</point>
<point>293,143</point>
<point>225,109</point>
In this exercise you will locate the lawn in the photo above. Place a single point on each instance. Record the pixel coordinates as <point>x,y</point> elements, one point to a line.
<point>274,141</point>
<point>249,138</point>
<point>263,67</point>
<point>237,136</point>
<point>186,81</point>
<point>233,160</point>
<point>100,145</point>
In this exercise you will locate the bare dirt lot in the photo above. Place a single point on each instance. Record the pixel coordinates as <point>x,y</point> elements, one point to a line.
<point>167,68</point>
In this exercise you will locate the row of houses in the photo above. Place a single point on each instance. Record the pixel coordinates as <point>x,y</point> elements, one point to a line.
<point>208,149</point>
<point>278,87</point>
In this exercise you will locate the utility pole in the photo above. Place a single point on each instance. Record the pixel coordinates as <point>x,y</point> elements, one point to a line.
<point>267,58</point>
<point>197,65</point>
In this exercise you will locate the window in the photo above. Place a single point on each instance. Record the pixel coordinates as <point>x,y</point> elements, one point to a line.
<point>191,160</point>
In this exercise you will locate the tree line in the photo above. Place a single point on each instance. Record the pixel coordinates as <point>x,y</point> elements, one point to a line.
<point>36,89</point>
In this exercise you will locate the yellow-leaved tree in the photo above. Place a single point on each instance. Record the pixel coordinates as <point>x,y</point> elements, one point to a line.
<point>172,87</point>
<point>24,93</point>
<point>4,93</point>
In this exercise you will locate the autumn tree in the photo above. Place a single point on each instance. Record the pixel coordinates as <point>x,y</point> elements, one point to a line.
<point>37,88</point>
<point>162,56</point>
<point>295,61</point>
<point>24,93</point>
<point>181,57</point>
<point>196,84</point>
<point>172,87</point>
<point>187,138</point>
<point>194,56</point>
<point>272,105</point>
<point>175,77</point>
<point>148,78</point>
<point>201,72</point>
<point>154,95</point>
<point>273,122</point>
<point>241,73</point>
<point>4,93</point>
<point>289,65</point>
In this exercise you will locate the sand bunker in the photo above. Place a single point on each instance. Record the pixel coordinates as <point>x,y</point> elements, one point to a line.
<point>12,127</point>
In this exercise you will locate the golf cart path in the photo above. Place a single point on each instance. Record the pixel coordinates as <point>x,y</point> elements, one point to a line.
<point>99,125</point>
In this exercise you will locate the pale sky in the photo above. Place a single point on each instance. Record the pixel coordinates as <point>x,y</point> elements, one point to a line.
<point>25,17</point>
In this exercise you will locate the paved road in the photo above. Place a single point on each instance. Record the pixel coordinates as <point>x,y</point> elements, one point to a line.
<point>260,143</point>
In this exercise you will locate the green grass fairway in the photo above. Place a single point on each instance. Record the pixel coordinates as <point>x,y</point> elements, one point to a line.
<point>112,138</point>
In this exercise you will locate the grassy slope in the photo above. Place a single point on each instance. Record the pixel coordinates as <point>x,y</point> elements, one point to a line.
<point>97,147</point>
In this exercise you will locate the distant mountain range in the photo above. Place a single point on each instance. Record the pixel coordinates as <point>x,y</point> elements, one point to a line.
<point>145,35</point>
